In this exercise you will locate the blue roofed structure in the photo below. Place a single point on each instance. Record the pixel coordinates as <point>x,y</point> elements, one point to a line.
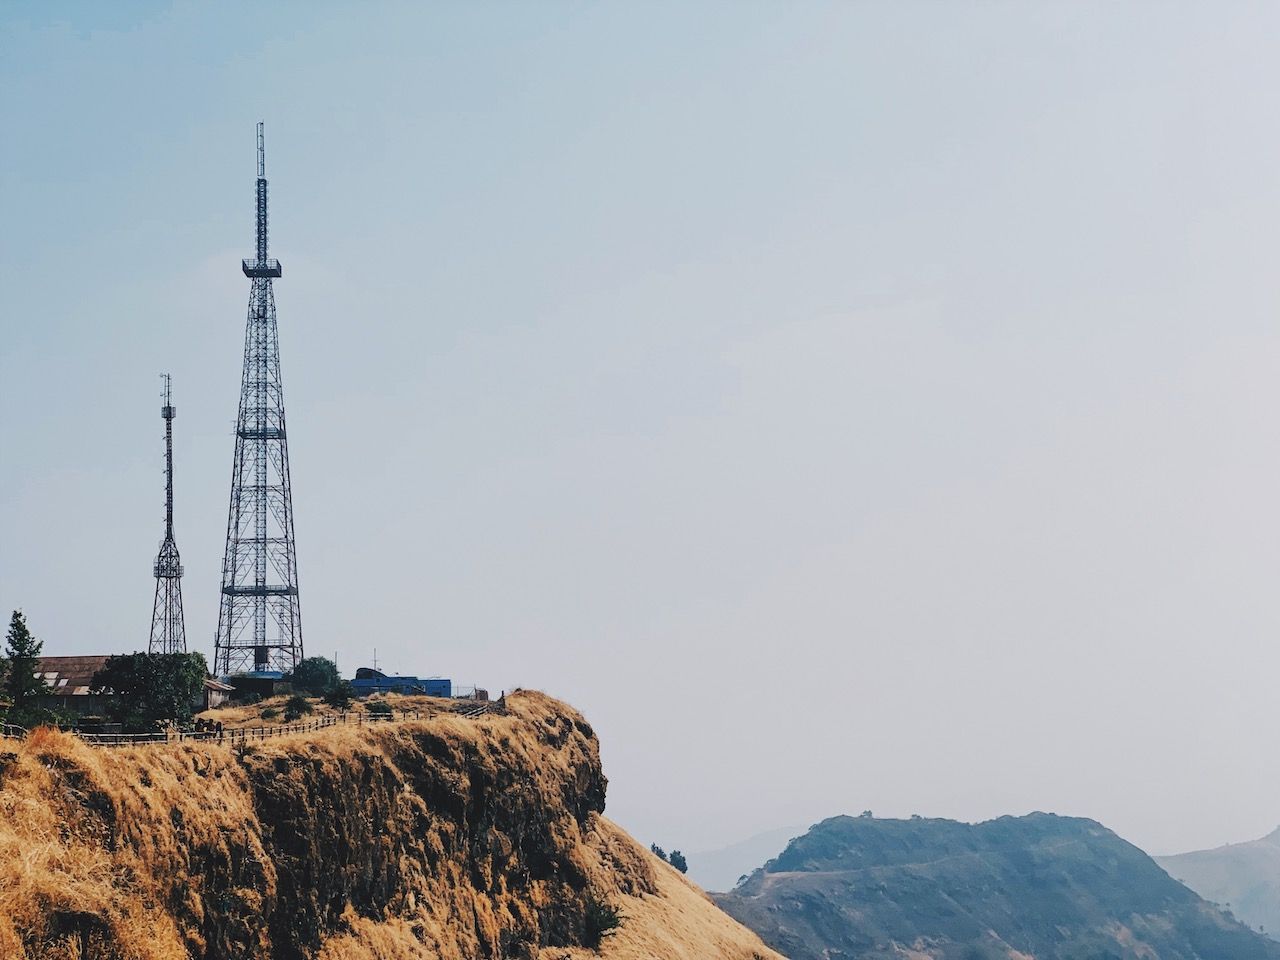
<point>370,681</point>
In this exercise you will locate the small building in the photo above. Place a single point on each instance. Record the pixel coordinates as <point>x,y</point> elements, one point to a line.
<point>260,684</point>
<point>216,693</point>
<point>370,681</point>
<point>70,680</point>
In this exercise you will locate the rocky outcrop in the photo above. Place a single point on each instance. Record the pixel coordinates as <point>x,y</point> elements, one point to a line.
<point>447,838</point>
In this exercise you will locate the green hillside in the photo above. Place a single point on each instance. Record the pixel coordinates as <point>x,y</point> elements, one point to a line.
<point>1017,888</point>
<point>1243,876</point>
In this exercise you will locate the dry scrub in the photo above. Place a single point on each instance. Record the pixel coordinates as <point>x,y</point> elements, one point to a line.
<point>442,838</point>
<point>251,715</point>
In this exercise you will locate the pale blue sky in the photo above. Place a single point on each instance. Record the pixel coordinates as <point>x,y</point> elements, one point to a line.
<point>847,406</point>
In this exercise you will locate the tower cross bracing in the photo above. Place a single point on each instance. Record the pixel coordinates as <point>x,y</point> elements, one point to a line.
<point>168,632</point>
<point>260,619</point>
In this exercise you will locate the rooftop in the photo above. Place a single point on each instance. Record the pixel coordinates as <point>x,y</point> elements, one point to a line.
<point>70,676</point>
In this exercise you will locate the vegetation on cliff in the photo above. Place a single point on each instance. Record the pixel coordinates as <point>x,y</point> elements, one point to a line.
<point>444,838</point>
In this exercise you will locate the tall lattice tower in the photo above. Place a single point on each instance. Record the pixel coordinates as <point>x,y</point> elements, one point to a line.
<point>260,620</point>
<point>168,633</point>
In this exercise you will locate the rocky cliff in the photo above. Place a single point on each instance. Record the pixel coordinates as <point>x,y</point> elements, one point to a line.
<point>445,838</point>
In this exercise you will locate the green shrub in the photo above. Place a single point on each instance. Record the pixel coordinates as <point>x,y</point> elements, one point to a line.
<point>339,697</point>
<point>270,713</point>
<point>296,707</point>
<point>380,707</point>
<point>602,919</point>
<point>31,717</point>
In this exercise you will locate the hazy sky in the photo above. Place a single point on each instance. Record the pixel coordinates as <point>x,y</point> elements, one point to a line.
<point>860,405</point>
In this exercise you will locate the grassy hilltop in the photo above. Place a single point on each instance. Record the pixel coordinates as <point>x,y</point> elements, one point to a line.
<point>446,837</point>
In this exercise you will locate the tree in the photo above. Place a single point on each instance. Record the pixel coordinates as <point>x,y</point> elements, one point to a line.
<point>315,675</point>
<point>295,707</point>
<point>339,697</point>
<point>22,688</point>
<point>601,919</point>
<point>675,857</point>
<point>147,688</point>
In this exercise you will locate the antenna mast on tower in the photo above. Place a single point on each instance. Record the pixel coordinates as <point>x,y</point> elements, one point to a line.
<point>168,633</point>
<point>260,619</point>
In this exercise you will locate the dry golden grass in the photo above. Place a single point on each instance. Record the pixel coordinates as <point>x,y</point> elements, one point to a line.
<point>55,872</point>
<point>673,920</point>
<point>677,921</point>
<point>444,838</point>
<point>251,715</point>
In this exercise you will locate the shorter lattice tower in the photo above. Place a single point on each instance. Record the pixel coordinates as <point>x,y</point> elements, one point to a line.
<point>168,633</point>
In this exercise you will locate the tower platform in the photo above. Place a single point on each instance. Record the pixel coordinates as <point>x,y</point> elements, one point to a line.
<point>260,268</point>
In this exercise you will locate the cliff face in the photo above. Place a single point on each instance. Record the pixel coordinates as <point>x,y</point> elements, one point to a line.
<point>442,838</point>
<point>1041,886</point>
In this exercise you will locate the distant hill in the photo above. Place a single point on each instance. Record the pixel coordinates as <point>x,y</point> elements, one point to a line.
<point>1245,876</point>
<point>722,869</point>
<point>1039,887</point>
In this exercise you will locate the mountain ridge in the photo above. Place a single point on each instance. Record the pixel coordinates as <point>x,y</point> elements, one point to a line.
<point>1242,876</point>
<point>1038,886</point>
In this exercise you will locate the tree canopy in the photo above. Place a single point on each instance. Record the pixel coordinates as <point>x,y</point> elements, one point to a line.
<point>22,688</point>
<point>148,688</point>
<point>315,675</point>
<point>675,857</point>
<point>339,697</point>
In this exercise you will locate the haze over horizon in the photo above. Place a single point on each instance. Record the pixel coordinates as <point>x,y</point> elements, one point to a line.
<point>845,406</point>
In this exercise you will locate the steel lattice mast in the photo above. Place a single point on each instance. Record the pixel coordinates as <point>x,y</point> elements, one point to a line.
<point>260,620</point>
<point>168,633</point>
